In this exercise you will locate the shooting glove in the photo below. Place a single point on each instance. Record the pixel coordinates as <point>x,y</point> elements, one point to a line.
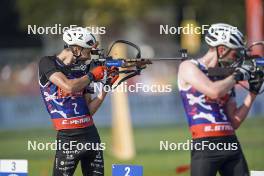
<point>241,74</point>
<point>98,73</point>
<point>256,82</point>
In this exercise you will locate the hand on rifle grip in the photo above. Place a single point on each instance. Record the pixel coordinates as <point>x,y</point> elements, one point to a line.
<point>112,75</point>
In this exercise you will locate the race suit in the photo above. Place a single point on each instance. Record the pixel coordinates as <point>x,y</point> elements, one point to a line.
<point>209,123</point>
<point>71,117</point>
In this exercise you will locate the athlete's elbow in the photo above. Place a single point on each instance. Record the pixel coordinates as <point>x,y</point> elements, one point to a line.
<point>70,88</point>
<point>214,94</point>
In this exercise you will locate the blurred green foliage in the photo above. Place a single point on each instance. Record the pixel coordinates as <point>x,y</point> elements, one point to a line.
<point>78,12</point>
<point>227,11</point>
<point>106,12</point>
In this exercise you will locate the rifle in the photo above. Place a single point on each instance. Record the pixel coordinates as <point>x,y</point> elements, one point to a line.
<point>253,63</point>
<point>133,66</point>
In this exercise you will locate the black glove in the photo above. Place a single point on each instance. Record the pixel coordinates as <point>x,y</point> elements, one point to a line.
<point>241,74</point>
<point>255,83</point>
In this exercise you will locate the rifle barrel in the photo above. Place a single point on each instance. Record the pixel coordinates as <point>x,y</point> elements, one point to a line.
<point>157,59</point>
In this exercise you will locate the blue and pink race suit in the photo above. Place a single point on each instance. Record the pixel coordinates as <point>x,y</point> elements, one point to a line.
<point>67,110</point>
<point>206,116</point>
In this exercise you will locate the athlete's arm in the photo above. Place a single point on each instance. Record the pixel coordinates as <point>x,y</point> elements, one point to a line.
<point>69,85</point>
<point>94,104</point>
<point>49,71</point>
<point>190,74</point>
<point>238,114</point>
<point>78,84</point>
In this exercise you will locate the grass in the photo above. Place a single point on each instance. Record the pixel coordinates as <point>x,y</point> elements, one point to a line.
<point>13,145</point>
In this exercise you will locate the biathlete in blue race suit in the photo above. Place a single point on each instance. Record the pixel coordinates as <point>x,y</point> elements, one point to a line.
<point>210,106</point>
<point>64,83</point>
